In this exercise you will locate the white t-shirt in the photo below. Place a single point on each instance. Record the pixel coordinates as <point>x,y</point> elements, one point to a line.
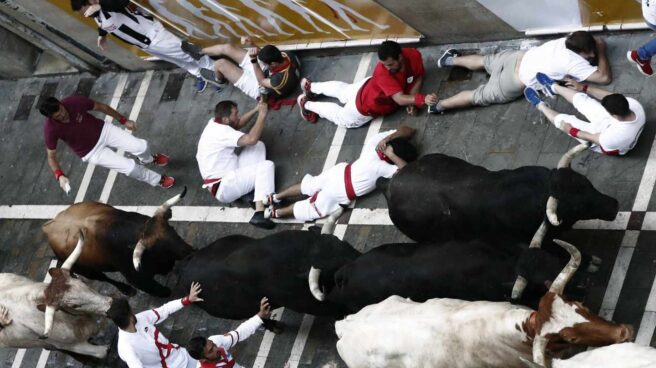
<point>216,150</point>
<point>227,341</point>
<point>142,350</point>
<point>622,135</point>
<point>555,60</point>
<point>649,11</point>
<point>369,167</point>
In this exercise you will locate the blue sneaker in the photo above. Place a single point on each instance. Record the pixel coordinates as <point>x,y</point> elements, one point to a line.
<point>200,84</point>
<point>532,96</point>
<point>547,84</point>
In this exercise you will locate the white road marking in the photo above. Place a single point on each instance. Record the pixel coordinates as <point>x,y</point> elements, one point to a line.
<point>267,341</point>
<point>88,173</point>
<point>647,182</point>
<point>134,114</point>
<point>618,274</point>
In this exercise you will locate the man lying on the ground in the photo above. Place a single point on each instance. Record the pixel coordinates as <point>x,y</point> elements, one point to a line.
<point>233,163</point>
<point>615,123</point>
<point>137,28</point>
<point>382,156</point>
<point>213,351</point>
<point>579,55</point>
<point>396,81</point>
<point>277,71</point>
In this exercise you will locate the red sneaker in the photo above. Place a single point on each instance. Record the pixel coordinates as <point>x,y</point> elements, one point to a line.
<point>166,181</point>
<point>307,115</point>
<point>160,159</point>
<point>306,86</point>
<point>644,66</point>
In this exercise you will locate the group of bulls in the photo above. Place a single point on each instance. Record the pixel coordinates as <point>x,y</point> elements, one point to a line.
<point>479,234</point>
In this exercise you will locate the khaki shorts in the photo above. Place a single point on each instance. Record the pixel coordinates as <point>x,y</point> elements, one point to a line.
<point>503,86</point>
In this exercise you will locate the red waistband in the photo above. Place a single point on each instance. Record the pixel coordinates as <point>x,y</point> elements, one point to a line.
<point>348,183</point>
<point>215,187</point>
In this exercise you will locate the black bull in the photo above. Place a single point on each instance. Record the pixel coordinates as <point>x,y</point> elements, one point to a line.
<point>237,271</point>
<point>467,270</point>
<point>439,197</point>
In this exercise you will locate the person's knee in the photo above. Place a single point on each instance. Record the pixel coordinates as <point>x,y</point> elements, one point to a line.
<point>221,65</point>
<point>267,166</point>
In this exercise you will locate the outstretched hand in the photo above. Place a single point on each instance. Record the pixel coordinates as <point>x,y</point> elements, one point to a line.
<point>4,316</point>
<point>194,292</point>
<point>265,308</point>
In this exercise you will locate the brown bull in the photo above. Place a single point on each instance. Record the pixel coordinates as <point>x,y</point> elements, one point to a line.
<point>112,236</point>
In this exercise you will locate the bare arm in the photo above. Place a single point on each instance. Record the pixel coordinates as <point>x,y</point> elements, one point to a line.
<point>259,74</point>
<point>52,160</point>
<point>246,118</point>
<point>106,109</point>
<point>594,138</point>
<point>595,92</point>
<point>398,161</point>
<point>253,136</point>
<point>403,99</point>
<point>603,74</point>
<point>403,131</point>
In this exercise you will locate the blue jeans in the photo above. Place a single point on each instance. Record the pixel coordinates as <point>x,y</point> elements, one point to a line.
<point>649,49</point>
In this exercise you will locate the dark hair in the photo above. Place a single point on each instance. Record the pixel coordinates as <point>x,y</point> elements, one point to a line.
<point>223,109</point>
<point>196,347</point>
<point>389,49</point>
<point>49,106</point>
<point>120,313</point>
<point>616,104</point>
<point>580,41</point>
<point>269,54</point>
<point>78,4</point>
<point>404,149</point>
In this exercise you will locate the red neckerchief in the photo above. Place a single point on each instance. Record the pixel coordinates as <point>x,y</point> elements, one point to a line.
<point>282,66</point>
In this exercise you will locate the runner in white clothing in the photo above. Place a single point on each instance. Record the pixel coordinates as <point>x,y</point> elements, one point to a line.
<point>614,124</point>
<point>140,344</point>
<point>132,26</point>
<point>233,163</point>
<point>382,156</point>
<point>213,352</point>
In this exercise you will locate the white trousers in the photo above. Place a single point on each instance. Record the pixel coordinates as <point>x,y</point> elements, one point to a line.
<point>166,46</point>
<point>330,193</point>
<point>593,110</point>
<point>254,172</point>
<point>117,138</point>
<point>346,116</point>
<point>248,83</point>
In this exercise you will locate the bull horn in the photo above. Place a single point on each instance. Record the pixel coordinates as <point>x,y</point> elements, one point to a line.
<point>518,288</point>
<point>536,242</point>
<point>171,202</point>
<point>530,364</point>
<point>567,158</point>
<point>75,254</point>
<point>313,281</point>
<point>566,274</point>
<point>329,226</point>
<point>136,255</point>
<point>552,207</point>
<point>540,350</point>
<point>50,317</point>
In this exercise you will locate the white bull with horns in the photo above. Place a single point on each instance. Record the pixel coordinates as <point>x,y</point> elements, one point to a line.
<point>460,334</point>
<point>69,306</point>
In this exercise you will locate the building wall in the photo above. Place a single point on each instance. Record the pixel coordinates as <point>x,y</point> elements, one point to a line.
<point>18,57</point>
<point>450,21</point>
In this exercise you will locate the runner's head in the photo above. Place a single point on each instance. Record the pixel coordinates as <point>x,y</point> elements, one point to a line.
<point>50,107</point>
<point>404,149</point>
<point>121,313</point>
<point>226,112</point>
<point>582,43</point>
<point>203,349</point>
<point>81,6</point>
<point>616,104</point>
<point>389,53</point>
<point>270,55</point>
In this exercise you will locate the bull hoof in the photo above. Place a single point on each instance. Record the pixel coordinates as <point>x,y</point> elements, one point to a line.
<point>315,229</point>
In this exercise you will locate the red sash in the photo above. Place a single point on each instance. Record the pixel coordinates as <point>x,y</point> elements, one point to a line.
<point>312,200</point>
<point>161,347</point>
<point>348,183</point>
<point>214,187</point>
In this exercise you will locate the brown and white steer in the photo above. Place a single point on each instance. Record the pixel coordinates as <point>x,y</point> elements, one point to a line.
<point>460,334</point>
<point>70,314</point>
<point>626,355</point>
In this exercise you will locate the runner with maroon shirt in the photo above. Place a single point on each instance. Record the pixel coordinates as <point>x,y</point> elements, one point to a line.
<point>396,81</point>
<point>90,138</point>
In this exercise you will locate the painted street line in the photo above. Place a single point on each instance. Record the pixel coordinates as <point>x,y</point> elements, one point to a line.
<point>618,274</point>
<point>88,173</point>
